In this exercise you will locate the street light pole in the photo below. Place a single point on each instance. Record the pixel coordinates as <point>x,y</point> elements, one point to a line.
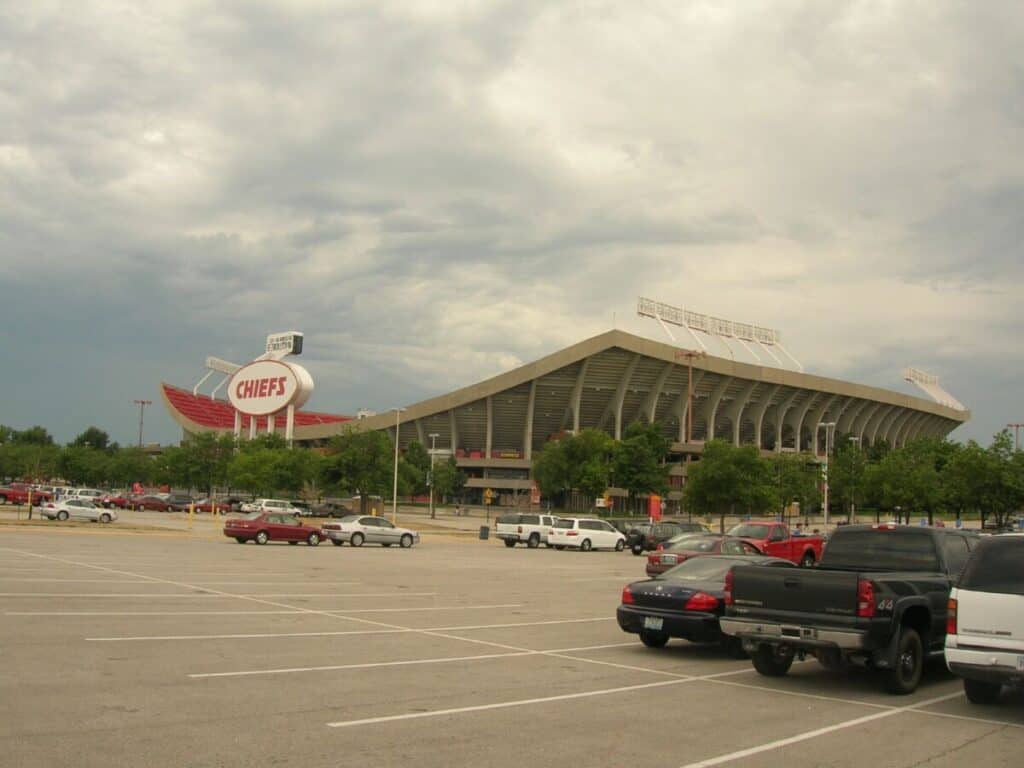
<point>690,355</point>
<point>829,428</point>
<point>430,476</point>
<point>853,497</point>
<point>394,487</point>
<point>142,408</point>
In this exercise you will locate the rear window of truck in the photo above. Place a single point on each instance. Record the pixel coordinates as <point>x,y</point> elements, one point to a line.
<point>997,565</point>
<point>882,549</point>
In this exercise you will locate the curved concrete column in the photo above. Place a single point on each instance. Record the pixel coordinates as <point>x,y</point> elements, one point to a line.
<point>846,421</point>
<point>797,418</point>
<point>760,410</point>
<point>735,409</point>
<point>614,407</point>
<point>861,422</point>
<point>650,406</point>
<point>781,416</point>
<point>531,405</point>
<point>711,407</point>
<point>876,422</point>
<point>908,428</point>
<point>453,426</point>
<point>895,426</point>
<point>572,412</point>
<point>815,417</point>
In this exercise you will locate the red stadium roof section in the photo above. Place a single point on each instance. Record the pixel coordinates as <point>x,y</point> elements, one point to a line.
<point>220,415</point>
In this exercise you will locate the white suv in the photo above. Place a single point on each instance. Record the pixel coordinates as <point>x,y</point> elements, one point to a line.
<point>985,619</point>
<point>585,534</point>
<point>272,505</point>
<point>87,494</point>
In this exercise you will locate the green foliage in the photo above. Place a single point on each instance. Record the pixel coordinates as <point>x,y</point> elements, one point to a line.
<point>551,469</point>
<point>83,466</point>
<point>359,462</point>
<point>795,477</point>
<point>93,437</point>
<point>32,436</point>
<point>639,459</point>
<point>449,480</point>
<point>730,478</point>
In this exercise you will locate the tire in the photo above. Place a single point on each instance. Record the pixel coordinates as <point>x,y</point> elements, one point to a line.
<point>240,540</point>
<point>808,560</point>
<point>559,547</point>
<point>653,639</point>
<point>357,540</point>
<point>3,500</point>
<point>509,543</point>
<point>733,647</point>
<point>620,545</point>
<point>262,538</point>
<point>772,662</point>
<point>104,518</point>
<point>406,540</point>
<point>292,543</point>
<point>981,692</point>
<point>62,515</point>
<point>585,545</point>
<point>385,544</point>
<point>314,539</point>
<point>905,675</point>
<point>534,541</point>
<point>637,549</point>
<point>336,543</point>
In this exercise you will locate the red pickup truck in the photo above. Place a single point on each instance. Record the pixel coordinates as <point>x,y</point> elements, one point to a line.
<point>776,540</point>
<point>18,494</point>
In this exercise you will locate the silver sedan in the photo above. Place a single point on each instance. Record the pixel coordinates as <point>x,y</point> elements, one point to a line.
<point>368,529</point>
<point>80,509</point>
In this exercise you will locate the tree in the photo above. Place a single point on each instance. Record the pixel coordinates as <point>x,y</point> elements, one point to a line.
<point>551,470</point>
<point>638,463</point>
<point>795,477</point>
<point>727,477</point>
<point>449,480</point>
<point>83,466</point>
<point>33,436</point>
<point>589,457</point>
<point>359,462</point>
<point>92,437</point>
<point>846,468</point>
<point>130,465</point>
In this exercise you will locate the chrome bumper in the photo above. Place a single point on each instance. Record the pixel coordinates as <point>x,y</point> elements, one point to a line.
<point>793,634</point>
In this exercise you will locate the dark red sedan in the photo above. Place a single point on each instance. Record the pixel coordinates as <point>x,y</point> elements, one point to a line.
<point>695,546</point>
<point>262,527</point>
<point>152,503</point>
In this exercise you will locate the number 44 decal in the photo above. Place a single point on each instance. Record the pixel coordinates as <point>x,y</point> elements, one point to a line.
<point>885,605</point>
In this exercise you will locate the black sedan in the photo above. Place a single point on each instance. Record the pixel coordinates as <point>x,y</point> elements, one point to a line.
<point>645,537</point>
<point>686,601</point>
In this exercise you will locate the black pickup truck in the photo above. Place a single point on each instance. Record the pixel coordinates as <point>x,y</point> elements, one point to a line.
<point>878,598</point>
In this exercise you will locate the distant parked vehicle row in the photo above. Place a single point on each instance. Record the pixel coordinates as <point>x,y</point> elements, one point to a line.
<point>264,527</point>
<point>367,529</point>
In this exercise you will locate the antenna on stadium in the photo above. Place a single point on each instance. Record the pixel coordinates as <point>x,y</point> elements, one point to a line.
<point>929,384</point>
<point>766,339</point>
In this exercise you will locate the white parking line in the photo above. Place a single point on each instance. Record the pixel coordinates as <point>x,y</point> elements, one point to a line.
<point>149,595</point>
<point>406,663</point>
<point>145,581</point>
<point>504,704</point>
<point>155,613</point>
<point>779,743</point>
<point>271,635</point>
<point>340,614</point>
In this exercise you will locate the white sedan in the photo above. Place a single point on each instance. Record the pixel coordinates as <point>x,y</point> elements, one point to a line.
<point>360,529</point>
<point>585,534</point>
<point>80,509</point>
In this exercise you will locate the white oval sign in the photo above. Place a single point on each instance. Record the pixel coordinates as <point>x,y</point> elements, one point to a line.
<point>263,387</point>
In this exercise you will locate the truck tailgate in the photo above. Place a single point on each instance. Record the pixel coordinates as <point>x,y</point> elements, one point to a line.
<point>804,590</point>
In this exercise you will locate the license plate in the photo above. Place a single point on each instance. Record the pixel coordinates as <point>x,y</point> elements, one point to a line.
<point>652,622</point>
<point>668,559</point>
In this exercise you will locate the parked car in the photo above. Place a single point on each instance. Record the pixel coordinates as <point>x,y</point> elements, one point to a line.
<point>697,545</point>
<point>262,527</point>
<point>329,509</point>
<point>79,509</point>
<point>776,539</point>
<point>645,537</point>
<point>207,505</point>
<point>686,601</point>
<point>585,534</point>
<point>271,505</point>
<point>18,493</point>
<point>530,529</point>
<point>178,502</point>
<point>152,503</point>
<point>985,619</point>
<point>360,529</point>
<point>116,501</point>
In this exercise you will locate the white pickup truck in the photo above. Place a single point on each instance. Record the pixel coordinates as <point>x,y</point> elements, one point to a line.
<point>985,619</point>
<point>532,530</point>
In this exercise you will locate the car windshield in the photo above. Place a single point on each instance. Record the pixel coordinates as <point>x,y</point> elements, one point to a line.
<point>750,531</point>
<point>699,569</point>
<point>250,516</point>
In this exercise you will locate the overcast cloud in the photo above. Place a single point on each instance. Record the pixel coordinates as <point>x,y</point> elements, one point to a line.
<point>438,191</point>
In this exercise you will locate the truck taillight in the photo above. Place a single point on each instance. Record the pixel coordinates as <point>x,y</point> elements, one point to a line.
<point>627,596</point>
<point>702,601</point>
<point>951,616</point>
<point>727,598</point>
<point>653,559</point>
<point>865,599</point>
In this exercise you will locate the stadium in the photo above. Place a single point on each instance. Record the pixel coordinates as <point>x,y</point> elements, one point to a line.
<point>495,427</point>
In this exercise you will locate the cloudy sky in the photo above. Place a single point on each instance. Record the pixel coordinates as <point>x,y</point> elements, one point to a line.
<point>436,191</point>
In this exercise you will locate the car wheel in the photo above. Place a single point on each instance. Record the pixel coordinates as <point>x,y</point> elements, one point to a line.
<point>262,537</point>
<point>357,540</point>
<point>620,545</point>
<point>292,543</point>
<point>733,647</point>
<point>771,661</point>
<point>905,674</point>
<point>653,639</point>
<point>559,547</point>
<point>336,543</point>
<point>534,541</point>
<point>239,539</point>
<point>585,545</point>
<point>3,500</point>
<point>104,518</point>
<point>62,515</point>
<point>314,539</point>
<point>807,561</point>
<point>981,692</point>
<point>406,540</point>
<point>637,549</point>
<point>509,543</point>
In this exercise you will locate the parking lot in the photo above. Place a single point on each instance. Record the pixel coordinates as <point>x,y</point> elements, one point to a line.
<point>169,650</point>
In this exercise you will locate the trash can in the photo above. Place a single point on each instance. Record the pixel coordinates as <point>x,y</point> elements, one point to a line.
<point>485,532</point>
